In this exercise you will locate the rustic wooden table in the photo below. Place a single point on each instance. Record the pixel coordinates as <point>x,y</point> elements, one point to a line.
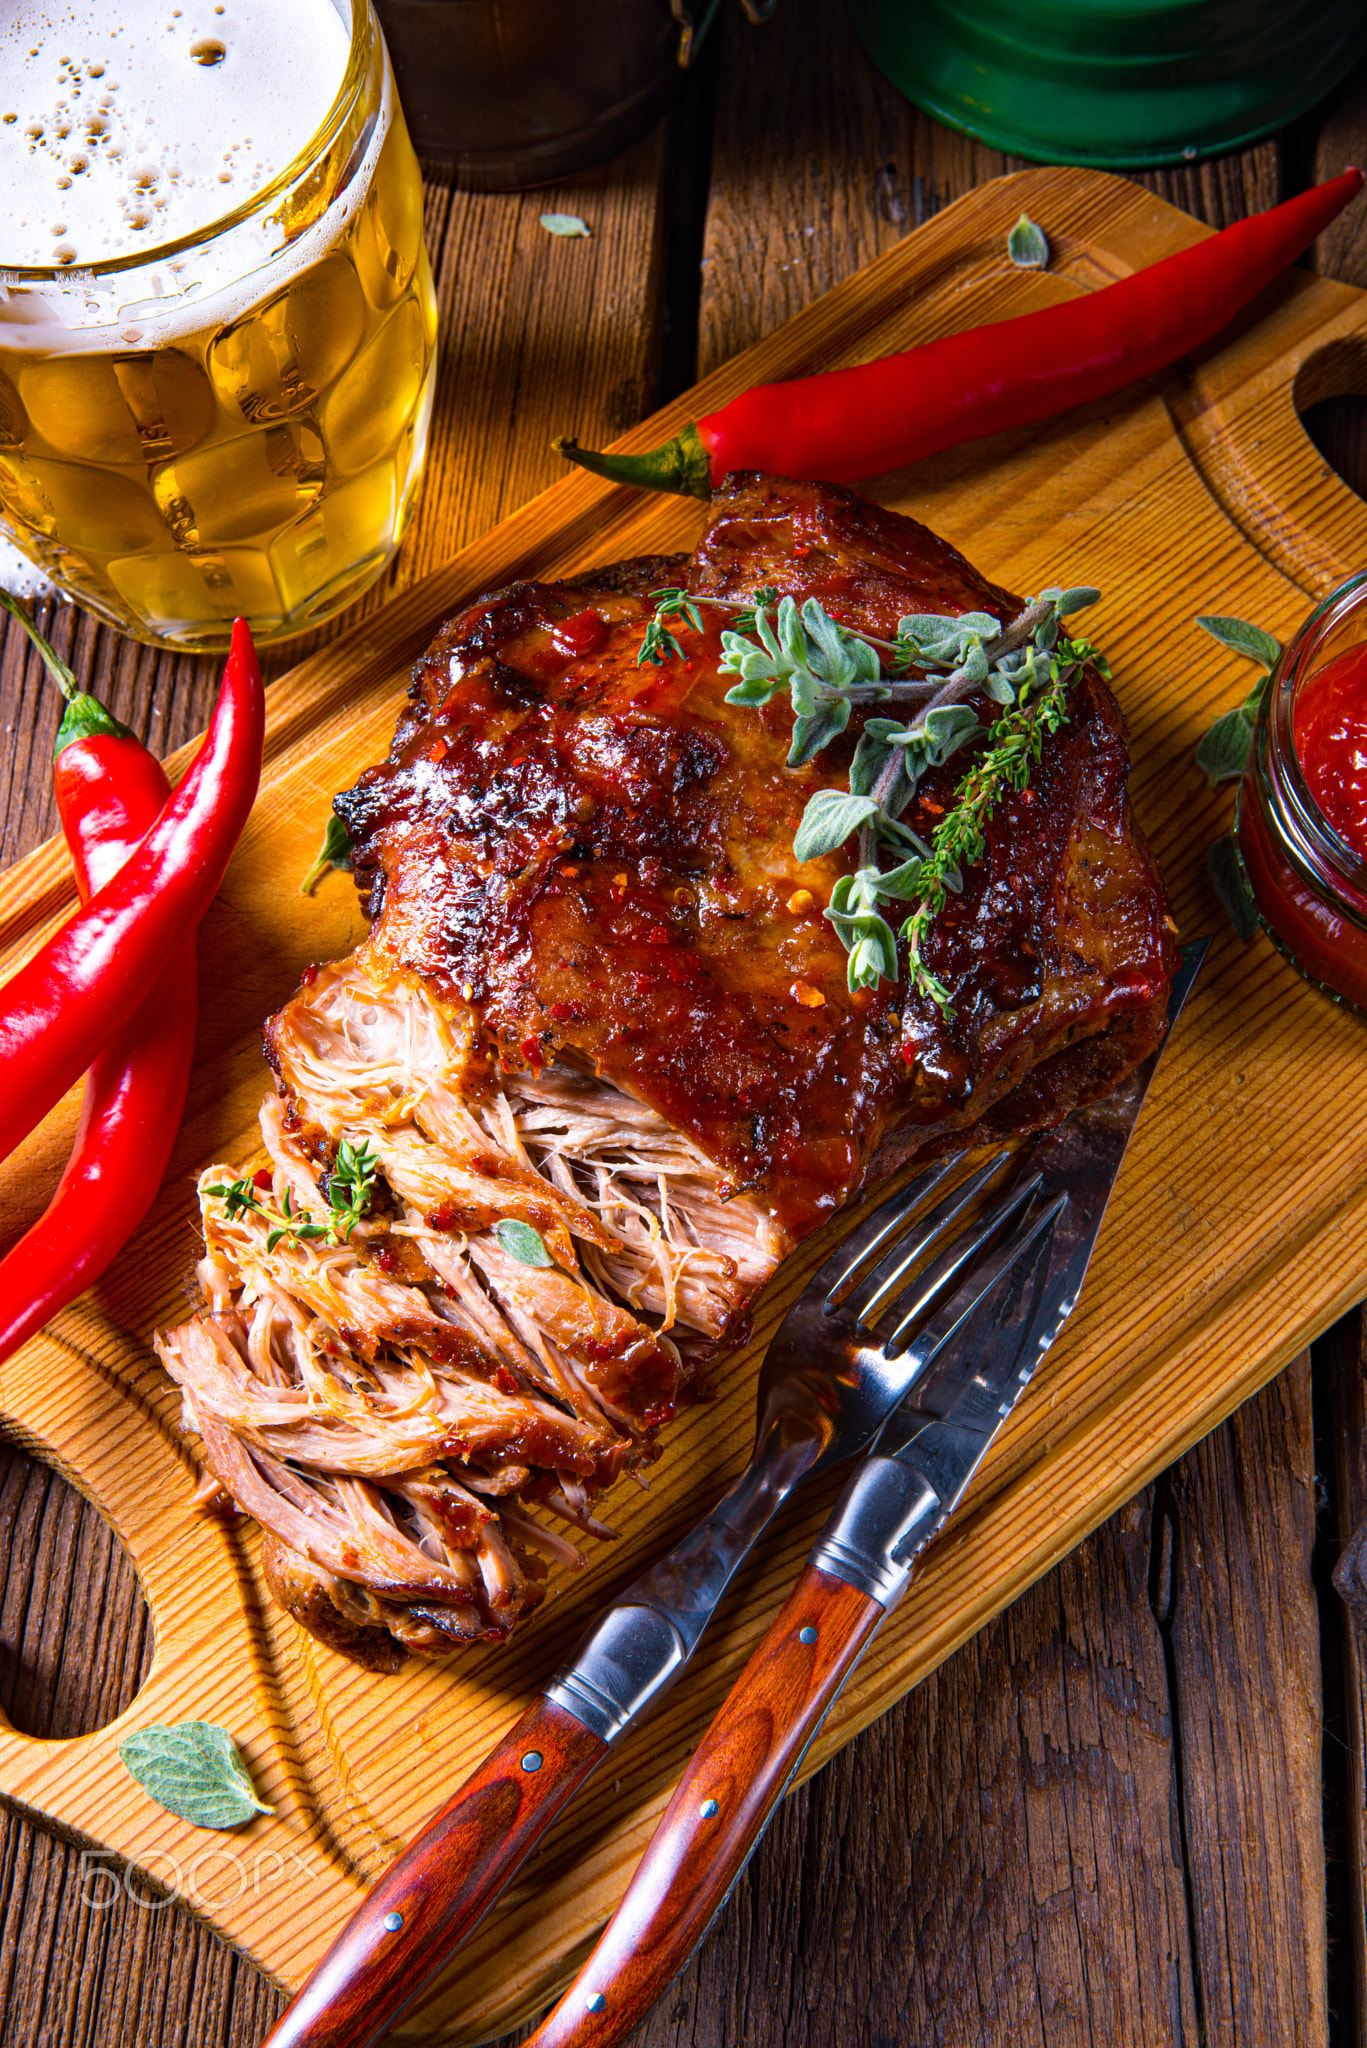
<point>1132,1811</point>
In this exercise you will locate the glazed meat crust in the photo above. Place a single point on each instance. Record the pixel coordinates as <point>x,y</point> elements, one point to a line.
<point>596,856</point>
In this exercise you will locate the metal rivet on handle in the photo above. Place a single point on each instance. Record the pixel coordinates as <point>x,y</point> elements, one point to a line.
<point>532,1761</point>
<point>393,1922</point>
<point>709,1809</point>
<point>806,1635</point>
<point>595,2001</point>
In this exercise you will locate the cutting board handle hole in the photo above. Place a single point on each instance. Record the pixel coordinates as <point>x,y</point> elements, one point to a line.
<point>1330,395</point>
<point>75,1628</point>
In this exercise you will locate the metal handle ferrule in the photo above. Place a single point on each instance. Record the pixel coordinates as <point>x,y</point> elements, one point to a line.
<point>630,1656</point>
<point>886,1515</point>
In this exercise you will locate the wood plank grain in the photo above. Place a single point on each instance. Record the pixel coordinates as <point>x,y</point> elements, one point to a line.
<point>1127,1384</point>
<point>819,165</point>
<point>1342,1366</point>
<point>995,1862</point>
<point>1243,1638</point>
<point>738,2034</point>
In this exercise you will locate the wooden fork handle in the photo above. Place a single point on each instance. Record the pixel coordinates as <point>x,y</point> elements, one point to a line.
<point>719,1811</point>
<point>441,1886</point>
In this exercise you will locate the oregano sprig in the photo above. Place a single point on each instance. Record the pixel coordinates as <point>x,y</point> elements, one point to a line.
<point>934,667</point>
<point>1223,755</point>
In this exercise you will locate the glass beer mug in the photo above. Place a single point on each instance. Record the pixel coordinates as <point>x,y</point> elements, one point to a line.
<point>215,419</point>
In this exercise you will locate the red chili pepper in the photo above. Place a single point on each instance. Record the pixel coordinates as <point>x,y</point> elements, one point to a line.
<point>65,1005</point>
<point>849,424</point>
<point>110,792</point>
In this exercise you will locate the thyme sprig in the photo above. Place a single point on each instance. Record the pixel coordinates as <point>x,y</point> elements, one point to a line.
<point>659,644</point>
<point>1015,743</point>
<point>350,1191</point>
<point>679,607</point>
<point>934,667</point>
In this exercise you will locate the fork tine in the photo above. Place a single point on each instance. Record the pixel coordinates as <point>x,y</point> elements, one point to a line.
<point>881,1287</point>
<point>966,1300</point>
<point>851,1252</point>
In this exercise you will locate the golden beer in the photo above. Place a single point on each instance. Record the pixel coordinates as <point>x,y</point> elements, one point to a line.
<point>232,421</point>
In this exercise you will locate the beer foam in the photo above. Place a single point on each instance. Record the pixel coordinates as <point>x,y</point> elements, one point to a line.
<point>123,127</point>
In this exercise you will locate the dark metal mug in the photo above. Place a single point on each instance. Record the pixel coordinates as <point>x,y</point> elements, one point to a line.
<point>506,93</point>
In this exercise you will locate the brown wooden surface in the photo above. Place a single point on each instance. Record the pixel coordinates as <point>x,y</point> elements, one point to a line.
<point>990,1862</point>
<point>1195,1297</point>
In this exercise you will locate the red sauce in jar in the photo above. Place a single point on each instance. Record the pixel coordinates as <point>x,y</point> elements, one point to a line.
<point>1313,930</point>
<point>1331,743</point>
<point>1310,892</point>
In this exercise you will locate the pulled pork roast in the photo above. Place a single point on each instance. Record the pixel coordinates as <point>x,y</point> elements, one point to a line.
<point>600,999</point>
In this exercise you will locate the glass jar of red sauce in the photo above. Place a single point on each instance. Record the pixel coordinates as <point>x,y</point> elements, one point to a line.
<point>1302,819</point>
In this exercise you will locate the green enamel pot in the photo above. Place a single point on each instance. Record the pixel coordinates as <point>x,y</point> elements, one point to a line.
<point>1115,83</point>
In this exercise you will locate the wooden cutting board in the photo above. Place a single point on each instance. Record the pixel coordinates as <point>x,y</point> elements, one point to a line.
<point>1235,1234</point>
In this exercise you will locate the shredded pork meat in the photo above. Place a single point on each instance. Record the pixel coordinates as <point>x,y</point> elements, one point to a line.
<point>413,1414</point>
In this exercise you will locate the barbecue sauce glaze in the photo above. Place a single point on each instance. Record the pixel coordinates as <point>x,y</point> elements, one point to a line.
<point>595,856</point>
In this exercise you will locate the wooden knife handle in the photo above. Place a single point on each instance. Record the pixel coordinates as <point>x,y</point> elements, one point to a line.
<point>441,1886</point>
<point>718,1813</point>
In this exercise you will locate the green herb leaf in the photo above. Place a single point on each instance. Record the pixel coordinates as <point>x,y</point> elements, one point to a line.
<point>947,728</point>
<point>815,729</point>
<point>194,1770</point>
<point>754,692</point>
<point>1223,754</point>
<point>1228,880</point>
<point>1013,744</point>
<point>658,646</point>
<point>829,819</point>
<point>351,1184</point>
<point>568,224</point>
<point>1027,245</point>
<point>1069,601</point>
<point>1242,638</point>
<point>335,852</point>
<point>827,668</point>
<point>747,614</point>
<point>939,640</point>
<point>900,838</point>
<point>904,881</point>
<point>236,1196</point>
<point>675,603</point>
<point>523,1243</point>
<point>873,956</point>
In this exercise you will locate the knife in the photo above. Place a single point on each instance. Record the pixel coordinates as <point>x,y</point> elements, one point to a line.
<point>899,1497</point>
